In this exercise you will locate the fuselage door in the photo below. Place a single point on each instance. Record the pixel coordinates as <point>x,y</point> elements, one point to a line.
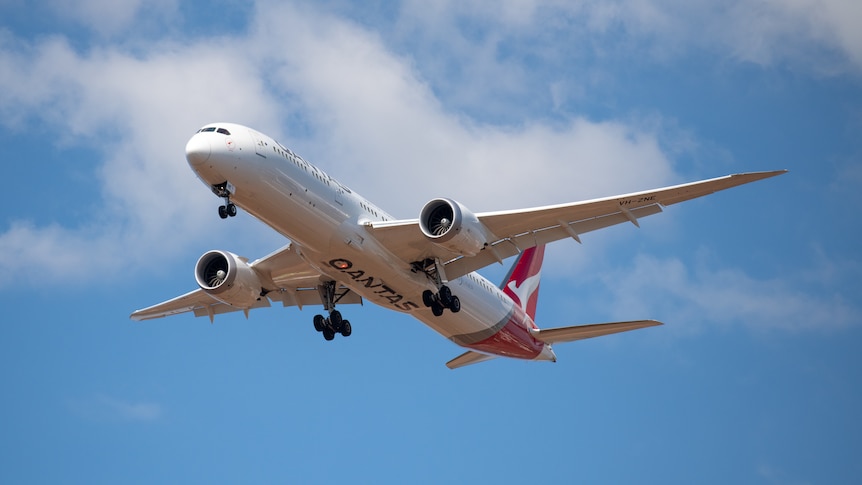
<point>259,143</point>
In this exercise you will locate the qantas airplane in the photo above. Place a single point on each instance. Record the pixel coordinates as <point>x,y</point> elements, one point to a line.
<point>343,249</point>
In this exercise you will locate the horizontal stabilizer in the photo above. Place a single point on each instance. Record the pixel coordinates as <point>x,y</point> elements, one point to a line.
<point>468,358</point>
<point>580,332</point>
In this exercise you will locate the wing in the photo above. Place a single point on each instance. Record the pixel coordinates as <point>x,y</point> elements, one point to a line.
<point>287,278</point>
<point>516,230</point>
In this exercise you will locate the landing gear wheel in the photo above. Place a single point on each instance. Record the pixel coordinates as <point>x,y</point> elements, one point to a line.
<point>346,329</point>
<point>445,296</point>
<point>436,309</point>
<point>455,304</point>
<point>231,210</point>
<point>319,323</point>
<point>222,212</point>
<point>428,298</point>
<point>335,319</point>
<point>328,333</point>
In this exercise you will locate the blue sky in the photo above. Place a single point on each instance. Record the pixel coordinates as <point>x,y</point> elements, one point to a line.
<point>755,378</point>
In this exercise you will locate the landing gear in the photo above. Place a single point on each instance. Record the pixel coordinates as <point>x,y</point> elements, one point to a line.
<point>443,299</point>
<point>225,211</point>
<point>335,323</point>
<point>225,190</point>
<point>332,325</point>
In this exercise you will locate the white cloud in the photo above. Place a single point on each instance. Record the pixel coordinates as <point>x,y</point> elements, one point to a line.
<point>817,35</point>
<point>139,111</point>
<point>383,123</point>
<point>101,407</point>
<point>820,36</point>
<point>112,17</point>
<point>667,288</point>
<point>338,94</point>
<point>376,124</point>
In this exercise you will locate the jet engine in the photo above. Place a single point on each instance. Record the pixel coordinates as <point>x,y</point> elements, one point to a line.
<point>228,278</point>
<point>452,226</point>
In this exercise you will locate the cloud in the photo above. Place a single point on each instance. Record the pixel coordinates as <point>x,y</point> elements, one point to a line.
<point>379,121</point>
<point>364,113</point>
<point>109,17</point>
<point>102,408</point>
<point>348,99</point>
<point>820,36</point>
<point>138,111</point>
<point>669,289</point>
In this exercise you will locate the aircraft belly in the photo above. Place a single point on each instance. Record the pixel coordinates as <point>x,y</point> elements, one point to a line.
<point>301,215</point>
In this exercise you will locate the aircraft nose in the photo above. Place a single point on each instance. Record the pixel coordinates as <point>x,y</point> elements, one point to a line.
<point>198,149</point>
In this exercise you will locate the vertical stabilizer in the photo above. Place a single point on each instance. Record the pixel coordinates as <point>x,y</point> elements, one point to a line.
<point>522,282</point>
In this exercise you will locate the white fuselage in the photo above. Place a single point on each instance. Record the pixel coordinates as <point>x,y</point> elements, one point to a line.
<point>327,222</point>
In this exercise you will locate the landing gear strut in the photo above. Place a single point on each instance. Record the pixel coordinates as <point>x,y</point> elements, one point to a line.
<point>443,298</point>
<point>335,323</point>
<point>224,190</point>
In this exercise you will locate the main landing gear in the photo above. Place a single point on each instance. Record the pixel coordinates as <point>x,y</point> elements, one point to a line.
<point>224,190</point>
<point>335,323</point>
<point>443,298</point>
<point>332,325</point>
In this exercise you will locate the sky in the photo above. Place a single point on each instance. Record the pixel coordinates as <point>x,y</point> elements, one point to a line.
<point>755,377</point>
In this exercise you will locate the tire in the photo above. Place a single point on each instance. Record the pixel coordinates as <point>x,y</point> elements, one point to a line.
<point>328,333</point>
<point>319,323</point>
<point>455,304</point>
<point>222,212</point>
<point>231,210</point>
<point>346,329</point>
<point>437,309</point>
<point>445,295</point>
<point>335,319</point>
<point>428,298</point>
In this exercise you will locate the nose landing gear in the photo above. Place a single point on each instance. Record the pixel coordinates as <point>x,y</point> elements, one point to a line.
<point>225,190</point>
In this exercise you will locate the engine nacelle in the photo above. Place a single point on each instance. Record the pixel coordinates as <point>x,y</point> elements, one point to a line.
<point>452,226</point>
<point>228,278</point>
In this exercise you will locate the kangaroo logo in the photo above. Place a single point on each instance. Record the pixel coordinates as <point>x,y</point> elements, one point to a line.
<point>523,291</point>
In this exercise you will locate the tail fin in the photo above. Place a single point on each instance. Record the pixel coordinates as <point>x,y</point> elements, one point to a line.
<point>522,282</point>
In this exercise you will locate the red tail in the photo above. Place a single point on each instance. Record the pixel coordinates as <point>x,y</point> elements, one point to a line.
<point>522,282</point>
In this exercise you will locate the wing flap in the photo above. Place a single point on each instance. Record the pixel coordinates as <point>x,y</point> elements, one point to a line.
<point>512,246</point>
<point>581,332</point>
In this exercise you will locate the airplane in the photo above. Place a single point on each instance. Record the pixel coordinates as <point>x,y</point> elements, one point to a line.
<point>343,249</point>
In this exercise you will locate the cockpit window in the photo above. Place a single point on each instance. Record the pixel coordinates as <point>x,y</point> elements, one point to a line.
<point>210,129</point>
